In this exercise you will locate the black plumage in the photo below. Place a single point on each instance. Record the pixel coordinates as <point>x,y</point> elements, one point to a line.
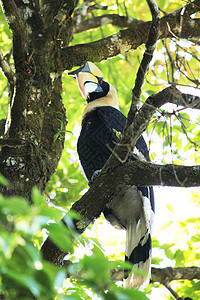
<point>98,137</point>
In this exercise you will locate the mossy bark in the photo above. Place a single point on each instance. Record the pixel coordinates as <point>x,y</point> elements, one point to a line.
<point>34,139</point>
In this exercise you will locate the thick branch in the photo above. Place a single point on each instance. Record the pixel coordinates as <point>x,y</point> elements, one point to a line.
<point>167,275</point>
<point>13,15</point>
<point>161,275</point>
<point>130,38</point>
<point>17,25</point>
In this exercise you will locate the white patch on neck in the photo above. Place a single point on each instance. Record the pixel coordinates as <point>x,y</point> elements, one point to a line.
<point>109,100</point>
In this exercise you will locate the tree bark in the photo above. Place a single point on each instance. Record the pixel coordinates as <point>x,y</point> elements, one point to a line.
<point>32,145</point>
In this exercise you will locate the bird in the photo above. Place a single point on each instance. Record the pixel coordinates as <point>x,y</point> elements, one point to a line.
<point>131,208</point>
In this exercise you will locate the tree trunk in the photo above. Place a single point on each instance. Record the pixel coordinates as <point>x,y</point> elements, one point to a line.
<point>34,138</point>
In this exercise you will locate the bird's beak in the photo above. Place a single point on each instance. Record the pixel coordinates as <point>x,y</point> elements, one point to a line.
<point>88,67</point>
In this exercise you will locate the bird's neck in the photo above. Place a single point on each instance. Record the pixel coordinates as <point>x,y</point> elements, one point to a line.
<point>109,100</point>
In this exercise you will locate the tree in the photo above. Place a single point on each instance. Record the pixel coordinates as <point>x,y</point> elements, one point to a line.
<point>47,39</point>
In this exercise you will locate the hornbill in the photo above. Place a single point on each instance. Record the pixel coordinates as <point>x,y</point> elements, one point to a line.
<point>131,208</point>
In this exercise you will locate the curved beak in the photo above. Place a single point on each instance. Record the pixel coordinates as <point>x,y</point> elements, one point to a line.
<point>88,67</point>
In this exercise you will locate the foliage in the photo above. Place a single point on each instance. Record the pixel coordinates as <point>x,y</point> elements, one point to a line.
<point>173,136</point>
<point>23,271</point>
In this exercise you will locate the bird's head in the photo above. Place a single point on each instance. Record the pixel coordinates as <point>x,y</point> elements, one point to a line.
<point>93,88</point>
<point>90,82</point>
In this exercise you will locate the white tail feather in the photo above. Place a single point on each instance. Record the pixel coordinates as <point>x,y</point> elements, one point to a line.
<point>136,232</point>
<point>136,280</point>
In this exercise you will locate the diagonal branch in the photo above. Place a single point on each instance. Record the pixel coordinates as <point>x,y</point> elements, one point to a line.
<point>147,57</point>
<point>174,294</point>
<point>6,69</point>
<point>153,102</point>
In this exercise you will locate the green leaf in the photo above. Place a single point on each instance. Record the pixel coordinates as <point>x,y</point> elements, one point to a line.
<point>15,206</point>
<point>170,207</point>
<point>37,198</point>
<point>156,260</point>
<point>3,180</point>
<point>26,281</point>
<point>62,236</point>
<point>124,294</point>
<point>196,238</point>
<point>185,119</point>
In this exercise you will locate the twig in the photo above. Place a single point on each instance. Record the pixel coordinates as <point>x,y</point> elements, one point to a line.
<point>174,294</point>
<point>171,63</point>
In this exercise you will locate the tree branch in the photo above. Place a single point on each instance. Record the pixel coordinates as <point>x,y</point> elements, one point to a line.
<point>155,101</point>
<point>166,275</point>
<point>57,11</point>
<point>108,19</point>
<point>6,69</point>
<point>174,294</point>
<point>147,57</point>
<point>13,15</point>
<point>161,275</point>
<point>130,38</point>
<point>158,275</point>
<point>17,25</point>
<point>81,13</point>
